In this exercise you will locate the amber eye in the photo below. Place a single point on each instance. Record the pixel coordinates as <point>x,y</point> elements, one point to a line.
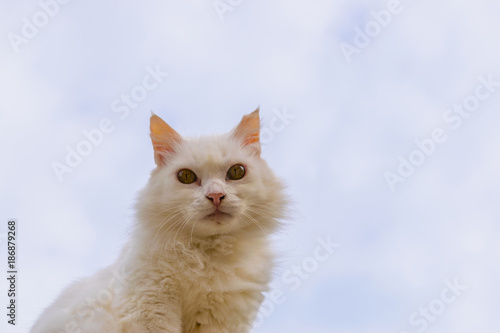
<point>236,172</point>
<point>186,176</point>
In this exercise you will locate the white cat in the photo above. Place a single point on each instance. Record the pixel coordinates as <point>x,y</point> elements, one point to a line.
<point>198,259</point>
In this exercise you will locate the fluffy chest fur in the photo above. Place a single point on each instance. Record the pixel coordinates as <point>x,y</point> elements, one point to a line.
<point>215,282</point>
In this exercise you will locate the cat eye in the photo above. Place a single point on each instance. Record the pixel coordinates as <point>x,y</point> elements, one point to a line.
<point>236,172</point>
<point>186,176</point>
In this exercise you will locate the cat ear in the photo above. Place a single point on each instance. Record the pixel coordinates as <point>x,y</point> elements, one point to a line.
<point>164,138</point>
<point>248,131</point>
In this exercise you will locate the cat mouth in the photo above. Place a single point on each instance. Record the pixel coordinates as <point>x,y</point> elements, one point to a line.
<point>217,216</point>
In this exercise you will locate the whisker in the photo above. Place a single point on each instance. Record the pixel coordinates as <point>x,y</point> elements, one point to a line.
<point>254,221</point>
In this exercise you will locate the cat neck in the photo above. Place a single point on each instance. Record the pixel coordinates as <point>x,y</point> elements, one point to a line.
<point>218,245</point>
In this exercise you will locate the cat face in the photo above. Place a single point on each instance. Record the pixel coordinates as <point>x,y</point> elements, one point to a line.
<point>211,185</point>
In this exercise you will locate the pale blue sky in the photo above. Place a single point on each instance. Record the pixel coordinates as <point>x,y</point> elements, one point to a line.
<point>349,122</point>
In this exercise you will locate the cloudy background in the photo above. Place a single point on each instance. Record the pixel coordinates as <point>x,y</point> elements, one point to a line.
<point>355,106</point>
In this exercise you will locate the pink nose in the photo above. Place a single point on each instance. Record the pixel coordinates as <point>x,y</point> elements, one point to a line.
<point>216,198</point>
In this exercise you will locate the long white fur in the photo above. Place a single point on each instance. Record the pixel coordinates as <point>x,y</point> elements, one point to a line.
<point>180,273</point>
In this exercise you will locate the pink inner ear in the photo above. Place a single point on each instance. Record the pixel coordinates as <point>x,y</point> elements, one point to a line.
<point>163,136</point>
<point>248,130</point>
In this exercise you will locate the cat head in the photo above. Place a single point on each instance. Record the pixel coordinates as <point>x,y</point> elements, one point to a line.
<point>210,185</point>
